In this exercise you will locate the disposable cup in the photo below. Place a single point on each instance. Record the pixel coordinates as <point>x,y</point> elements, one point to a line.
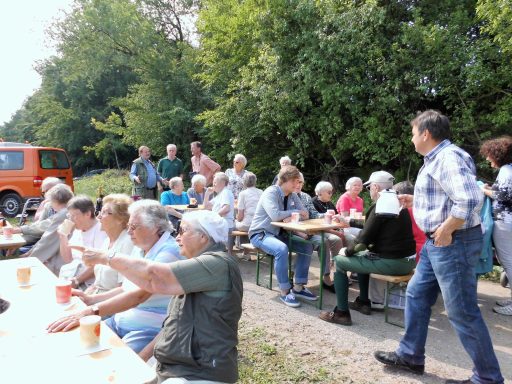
<point>90,329</point>
<point>8,232</point>
<point>23,275</point>
<point>193,201</point>
<point>63,291</point>
<point>67,226</point>
<point>295,217</point>
<point>352,213</point>
<point>328,218</point>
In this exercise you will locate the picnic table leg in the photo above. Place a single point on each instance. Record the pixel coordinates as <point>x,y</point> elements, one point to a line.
<point>322,261</point>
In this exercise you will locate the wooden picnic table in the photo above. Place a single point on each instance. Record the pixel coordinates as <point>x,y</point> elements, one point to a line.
<point>28,354</point>
<point>310,227</point>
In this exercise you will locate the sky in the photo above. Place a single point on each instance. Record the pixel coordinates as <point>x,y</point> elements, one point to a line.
<point>23,42</point>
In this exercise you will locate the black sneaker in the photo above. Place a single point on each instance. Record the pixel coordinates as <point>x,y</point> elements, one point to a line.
<point>361,306</point>
<point>391,358</point>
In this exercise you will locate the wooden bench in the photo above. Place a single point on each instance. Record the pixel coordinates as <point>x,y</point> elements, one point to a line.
<point>391,281</point>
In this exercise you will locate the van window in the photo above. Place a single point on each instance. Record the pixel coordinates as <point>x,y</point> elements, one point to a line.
<point>53,160</point>
<point>11,160</point>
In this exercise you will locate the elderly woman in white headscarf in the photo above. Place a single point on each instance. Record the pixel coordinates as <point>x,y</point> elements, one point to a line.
<point>199,337</point>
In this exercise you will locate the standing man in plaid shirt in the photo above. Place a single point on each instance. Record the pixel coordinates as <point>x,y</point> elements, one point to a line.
<point>446,206</point>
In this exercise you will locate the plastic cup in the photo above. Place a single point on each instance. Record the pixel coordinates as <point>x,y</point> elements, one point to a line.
<point>23,275</point>
<point>63,291</point>
<point>352,213</point>
<point>295,217</point>
<point>67,226</point>
<point>8,231</point>
<point>193,201</point>
<point>358,215</point>
<point>328,218</point>
<point>331,211</point>
<point>90,329</point>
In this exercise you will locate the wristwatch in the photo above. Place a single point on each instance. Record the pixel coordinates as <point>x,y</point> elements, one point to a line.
<point>95,309</point>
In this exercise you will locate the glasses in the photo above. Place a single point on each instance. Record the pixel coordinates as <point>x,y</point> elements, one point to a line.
<point>103,213</point>
<point>369,186</point>
<point>132,227</point>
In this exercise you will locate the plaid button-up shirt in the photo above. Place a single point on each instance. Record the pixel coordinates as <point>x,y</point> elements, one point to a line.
<point>446,186</point>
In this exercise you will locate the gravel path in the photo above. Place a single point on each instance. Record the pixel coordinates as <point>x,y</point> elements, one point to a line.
<point>336,354</point>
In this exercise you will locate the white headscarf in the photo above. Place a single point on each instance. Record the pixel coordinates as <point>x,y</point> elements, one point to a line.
<point>211,223</point>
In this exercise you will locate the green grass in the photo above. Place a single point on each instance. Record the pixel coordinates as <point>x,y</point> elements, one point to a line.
<point>494,275</point>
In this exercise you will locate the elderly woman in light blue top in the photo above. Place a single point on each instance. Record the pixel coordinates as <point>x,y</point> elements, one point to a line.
<point>236,174</point>
<point>198,188</point>
<point>136,314</point>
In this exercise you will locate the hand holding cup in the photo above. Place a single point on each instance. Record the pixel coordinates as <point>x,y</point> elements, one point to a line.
<point>92,256</point>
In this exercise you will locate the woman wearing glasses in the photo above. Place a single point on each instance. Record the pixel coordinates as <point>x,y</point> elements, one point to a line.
<point>113,217</point>
<point>199,337</point>
<point>136,315</point>
<point>236,174</point>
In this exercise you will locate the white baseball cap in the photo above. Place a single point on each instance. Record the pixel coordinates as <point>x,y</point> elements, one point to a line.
<point>380,177</point>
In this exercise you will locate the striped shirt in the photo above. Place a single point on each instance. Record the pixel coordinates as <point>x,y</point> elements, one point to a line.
<point>446,186</point>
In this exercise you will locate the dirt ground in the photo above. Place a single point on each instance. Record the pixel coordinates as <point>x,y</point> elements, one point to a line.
<point>279,344</point>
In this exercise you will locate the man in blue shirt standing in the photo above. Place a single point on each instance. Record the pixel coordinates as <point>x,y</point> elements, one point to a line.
<point>144,176</point>
<point>446,206</point>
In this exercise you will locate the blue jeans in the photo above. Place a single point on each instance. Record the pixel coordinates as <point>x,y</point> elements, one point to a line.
<point>277,246</point>
<point>450,270</point>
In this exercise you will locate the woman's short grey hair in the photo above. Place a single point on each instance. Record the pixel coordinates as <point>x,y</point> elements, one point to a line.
<point>323,186</point>
<point>50,182</point>
<point>351,181</point>
<point>83,204</point>
<point>241,158</point>
<point>404,188</point>
<point>175,181</point>
<point>249,180</point>
<point>151,214</point>
<point>285,160</point>
<point>61,194</point>
<point>198,179</point>
<point>221,176</point>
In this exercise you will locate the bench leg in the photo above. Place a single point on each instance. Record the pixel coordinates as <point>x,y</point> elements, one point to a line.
<point>390,285</point>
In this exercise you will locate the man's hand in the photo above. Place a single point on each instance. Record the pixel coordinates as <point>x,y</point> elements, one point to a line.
<point>136,179</point>
<point>304,215</point>
<point>406,200</point>
<point>442,237</point>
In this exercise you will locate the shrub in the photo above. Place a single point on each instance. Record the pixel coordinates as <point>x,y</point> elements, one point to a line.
<point>111,181</point>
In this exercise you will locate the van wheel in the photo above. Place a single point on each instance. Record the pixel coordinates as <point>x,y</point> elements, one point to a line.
<point>10,204</point>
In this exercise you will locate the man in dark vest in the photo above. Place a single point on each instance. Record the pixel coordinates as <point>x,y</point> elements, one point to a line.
<point>144,176</point>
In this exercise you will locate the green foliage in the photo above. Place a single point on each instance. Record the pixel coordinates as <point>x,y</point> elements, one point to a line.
<point>112,181</point>
<point>333,84</point>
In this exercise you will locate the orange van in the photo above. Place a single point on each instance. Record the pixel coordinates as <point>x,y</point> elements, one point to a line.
<point>23,168</point>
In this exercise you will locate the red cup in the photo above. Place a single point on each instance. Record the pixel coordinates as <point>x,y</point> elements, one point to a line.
<point>8,232</point>
<point>63,291</point>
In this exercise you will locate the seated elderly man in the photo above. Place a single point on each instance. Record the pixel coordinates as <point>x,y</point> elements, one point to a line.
<point>136,314</point>
<point>48,248</point>
<point>277,203</point>
<point>391,251</point>
<point>198,342</point>
<point>83,230</point>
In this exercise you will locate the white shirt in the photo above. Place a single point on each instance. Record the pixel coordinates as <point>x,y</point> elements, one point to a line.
<point>225,198</point>
<point>94,237</point>
<point>248,201</point>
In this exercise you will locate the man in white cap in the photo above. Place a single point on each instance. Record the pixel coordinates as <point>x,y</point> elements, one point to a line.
<point>385,246</point>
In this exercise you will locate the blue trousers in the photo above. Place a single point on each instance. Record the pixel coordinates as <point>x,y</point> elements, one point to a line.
<point>277,246</point>
<point>450,270</point>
